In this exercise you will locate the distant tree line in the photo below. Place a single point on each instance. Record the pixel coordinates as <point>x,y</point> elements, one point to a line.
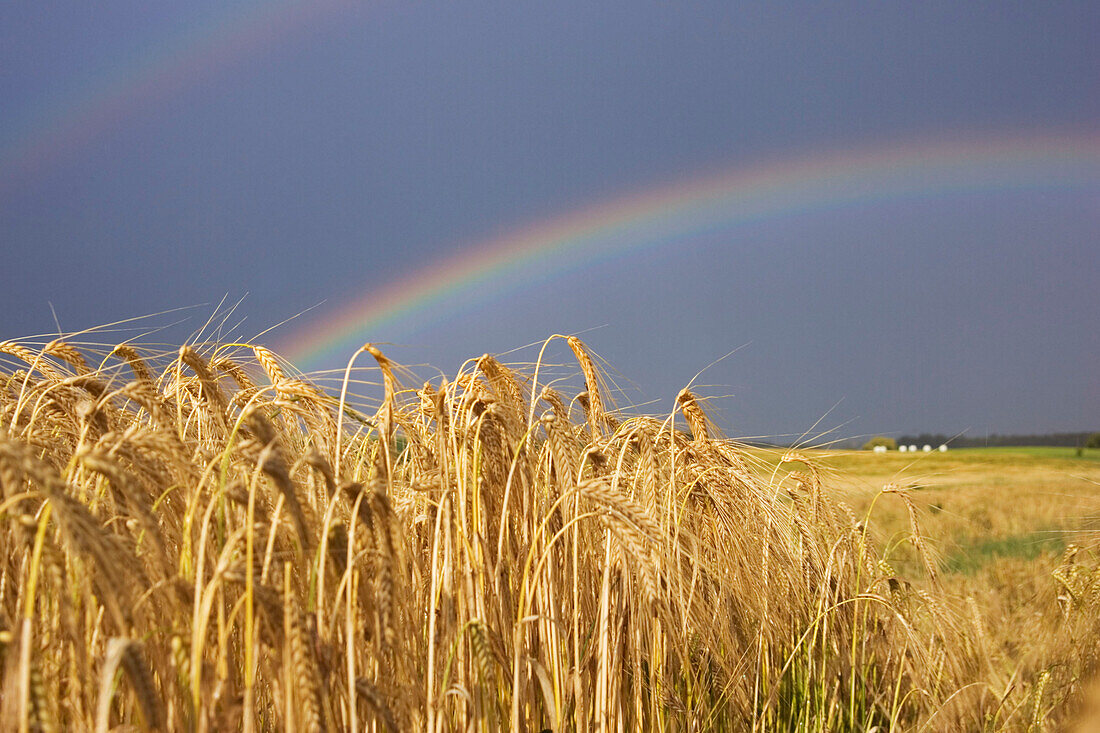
<point>1071,440</point>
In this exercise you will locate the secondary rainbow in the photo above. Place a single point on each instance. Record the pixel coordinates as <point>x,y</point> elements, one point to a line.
<point>661,216</point>
<point>49,131</point>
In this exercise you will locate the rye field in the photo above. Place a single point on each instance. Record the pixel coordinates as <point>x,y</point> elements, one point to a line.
<point>200,538</point>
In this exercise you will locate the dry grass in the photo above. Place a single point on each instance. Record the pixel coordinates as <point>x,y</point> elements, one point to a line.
<point>203,540</point>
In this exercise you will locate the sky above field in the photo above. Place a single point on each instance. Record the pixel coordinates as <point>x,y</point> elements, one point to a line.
<point>890,213</point>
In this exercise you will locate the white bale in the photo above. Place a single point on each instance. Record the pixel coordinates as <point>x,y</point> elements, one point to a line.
<point>902,449</point>
<point>927,448</point>
<point>943,448</point>
<point>912,449</point>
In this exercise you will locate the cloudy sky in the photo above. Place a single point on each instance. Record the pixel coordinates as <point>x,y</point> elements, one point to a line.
<point>306,155</point>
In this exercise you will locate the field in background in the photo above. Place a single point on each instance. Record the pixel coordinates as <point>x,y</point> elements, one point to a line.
<point>1039,451</point>
<point>977,505</point>
<point>1000,522</point>
<point>992,493</point>
<point>990,514</point>
<point>200,539</point>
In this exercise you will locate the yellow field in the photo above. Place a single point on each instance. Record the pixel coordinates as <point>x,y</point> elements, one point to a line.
<point>977,506</point>
<point>200,539</point>
<point>1009,529</point>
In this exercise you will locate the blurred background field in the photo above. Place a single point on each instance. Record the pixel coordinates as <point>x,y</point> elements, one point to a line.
<point>982,507</point>
<point>1002,524</point>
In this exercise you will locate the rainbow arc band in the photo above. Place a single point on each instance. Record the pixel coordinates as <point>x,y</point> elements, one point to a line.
<point>661,216</point>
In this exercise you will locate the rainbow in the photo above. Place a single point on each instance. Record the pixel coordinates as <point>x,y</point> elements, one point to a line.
<point>662,216</point>
<point>75,118</point>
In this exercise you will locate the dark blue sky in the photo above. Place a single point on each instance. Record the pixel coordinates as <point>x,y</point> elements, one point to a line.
<point>306,154</point>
